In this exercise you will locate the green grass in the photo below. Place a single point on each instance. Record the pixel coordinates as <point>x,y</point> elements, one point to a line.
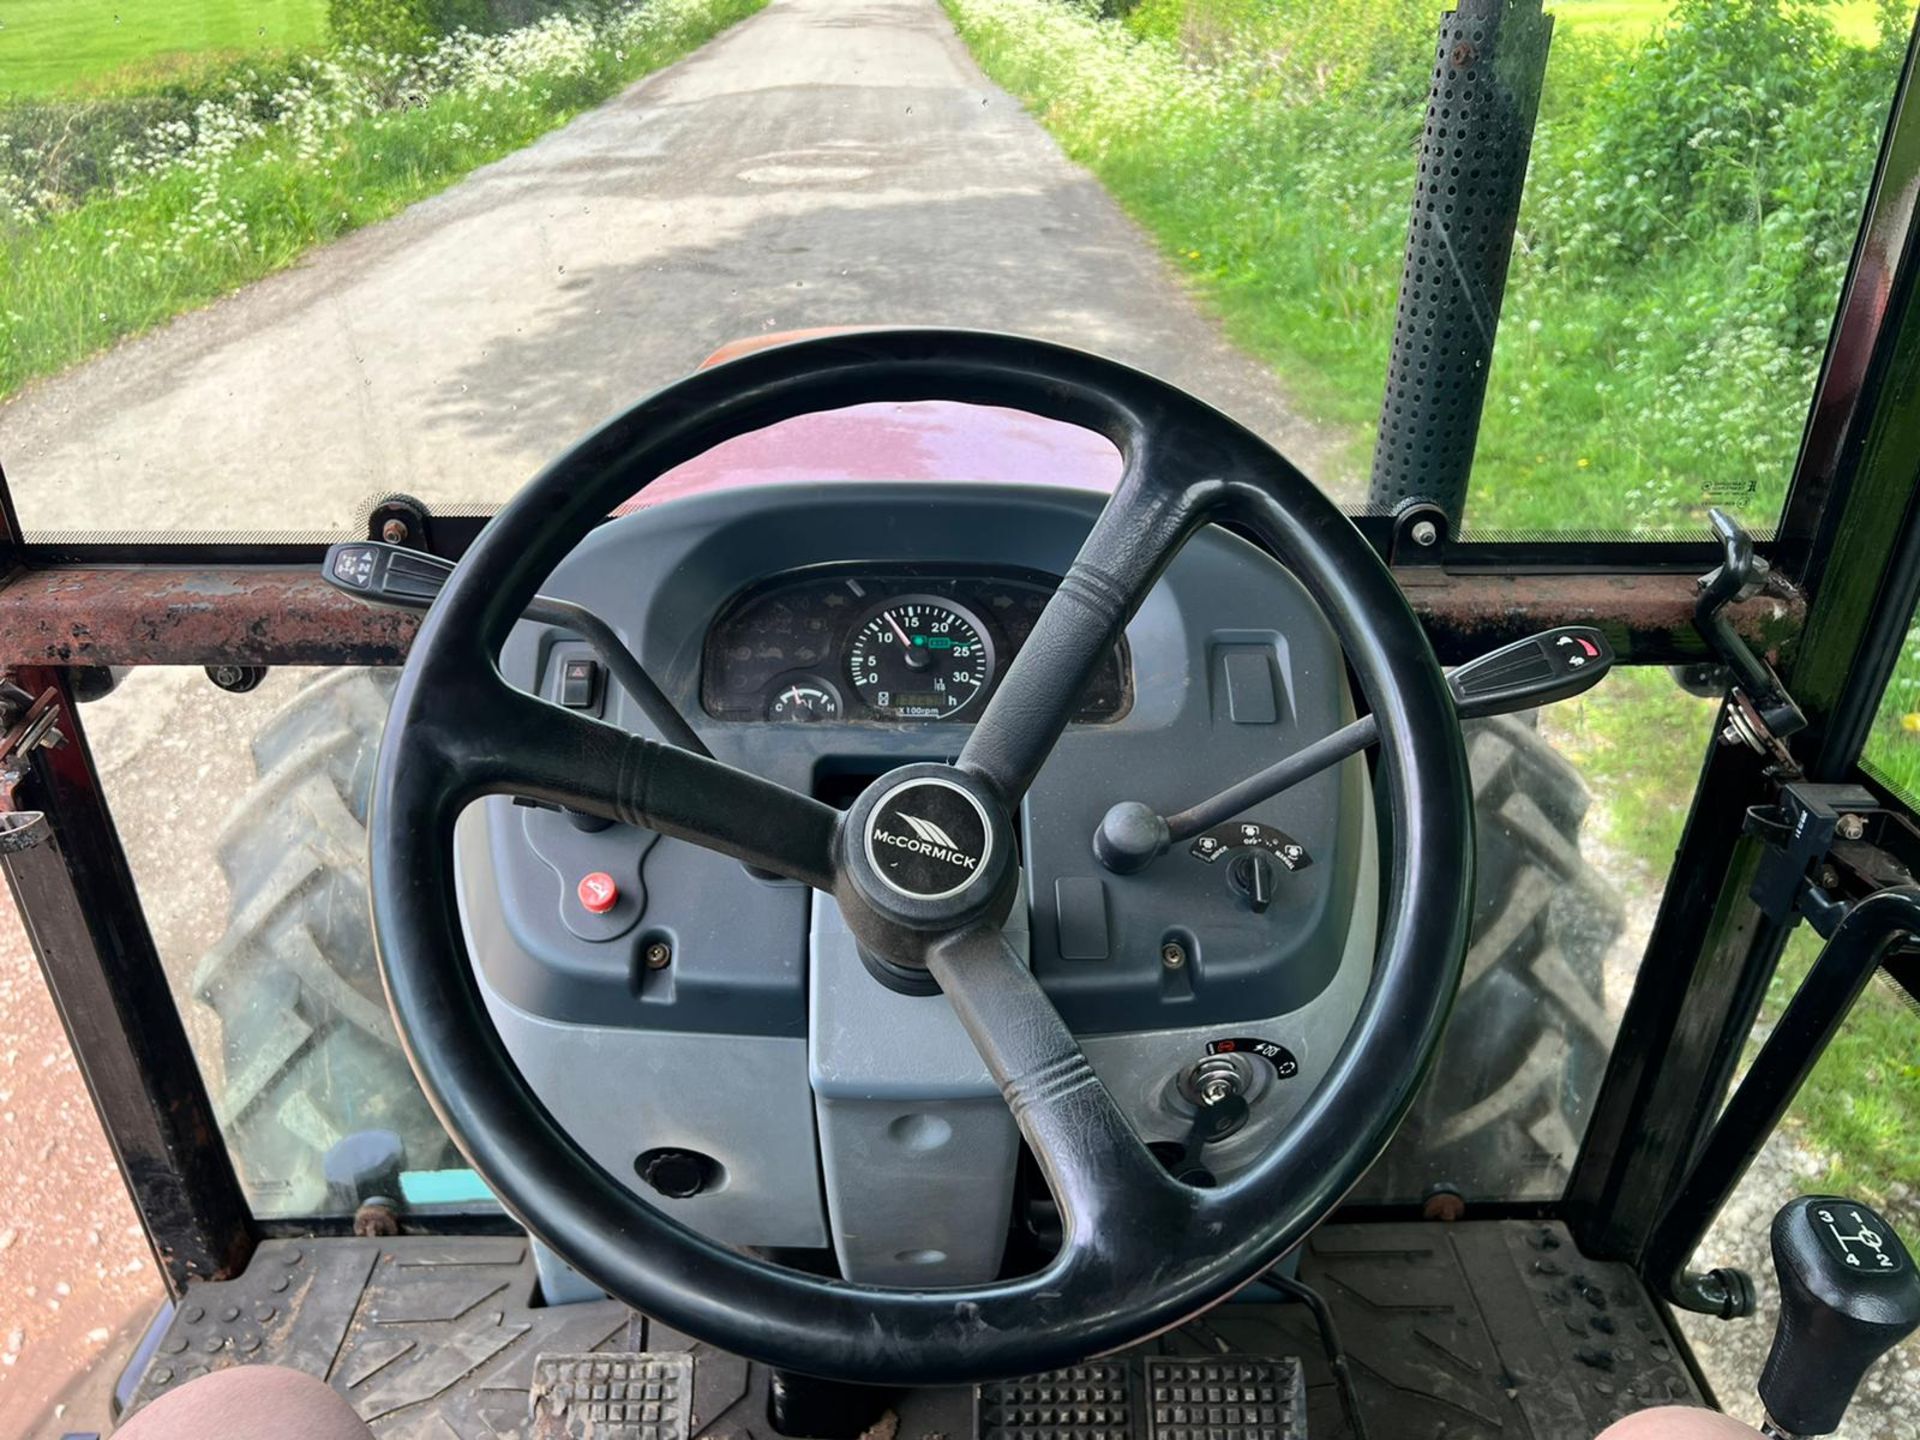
<point>1634,20</point>
<point>1861,1104</point>
<point>1639,741</point>
<point>49,46</point>
<point>115,265</point>
<point>1893,745</point>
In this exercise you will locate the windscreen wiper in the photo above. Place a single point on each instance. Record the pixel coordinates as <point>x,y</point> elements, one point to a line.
<point>1553,665</point>
<point>383,574</point>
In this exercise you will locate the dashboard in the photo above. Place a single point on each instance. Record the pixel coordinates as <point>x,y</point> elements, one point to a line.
<point>820,636</point>
<point>858,642</point>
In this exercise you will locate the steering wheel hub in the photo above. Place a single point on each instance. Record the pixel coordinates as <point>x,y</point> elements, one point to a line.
<point>928,850</point>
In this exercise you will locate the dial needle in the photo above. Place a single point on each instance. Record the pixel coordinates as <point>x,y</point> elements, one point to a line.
<point>898,631</point>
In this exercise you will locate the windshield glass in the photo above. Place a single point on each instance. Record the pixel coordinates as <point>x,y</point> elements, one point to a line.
<point>266,261</point>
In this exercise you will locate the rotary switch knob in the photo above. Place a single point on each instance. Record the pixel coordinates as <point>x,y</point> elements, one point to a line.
<point>1253,877</point>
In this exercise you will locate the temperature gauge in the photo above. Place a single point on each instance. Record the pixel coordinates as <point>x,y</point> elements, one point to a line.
<point>801,698</point>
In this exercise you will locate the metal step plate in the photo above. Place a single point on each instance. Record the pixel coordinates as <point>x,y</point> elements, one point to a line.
<point>648,1396</point>
<point>1150,1397</point>
<point>1226,1397</point>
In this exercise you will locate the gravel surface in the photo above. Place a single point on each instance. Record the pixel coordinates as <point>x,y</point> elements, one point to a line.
<point>1732,1353</point>
<point>75,1271</point>
<point>74,1266</point>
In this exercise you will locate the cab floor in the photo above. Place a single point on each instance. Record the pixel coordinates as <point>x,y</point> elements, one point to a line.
<point>1476,1329</point>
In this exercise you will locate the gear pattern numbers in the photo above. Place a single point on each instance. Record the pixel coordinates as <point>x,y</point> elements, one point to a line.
<point>1855,1237</point>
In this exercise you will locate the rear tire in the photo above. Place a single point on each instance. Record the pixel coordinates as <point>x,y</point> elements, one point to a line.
<point>307,1040</point>
<point>1502,1110</point>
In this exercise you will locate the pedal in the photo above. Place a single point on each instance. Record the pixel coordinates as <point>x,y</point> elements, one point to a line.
<point>1160,1397</point>
<point>644,1396</point>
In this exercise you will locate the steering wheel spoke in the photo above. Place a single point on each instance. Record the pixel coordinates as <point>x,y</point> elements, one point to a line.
<point>543,751</point>
<point>1142,528</point>
<point>1108,1184</point>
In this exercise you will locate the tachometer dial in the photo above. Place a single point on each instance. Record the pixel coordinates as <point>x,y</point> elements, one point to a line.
<point>920,658</point>
<point>803,698</point>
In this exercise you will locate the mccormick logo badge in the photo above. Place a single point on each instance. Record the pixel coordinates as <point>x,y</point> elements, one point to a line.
<point>928,839</point>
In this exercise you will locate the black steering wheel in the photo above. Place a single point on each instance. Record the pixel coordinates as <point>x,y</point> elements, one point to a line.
<point>1142,1251</point>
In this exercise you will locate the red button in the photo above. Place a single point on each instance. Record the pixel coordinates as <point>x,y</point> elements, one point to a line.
<point>598,892</point>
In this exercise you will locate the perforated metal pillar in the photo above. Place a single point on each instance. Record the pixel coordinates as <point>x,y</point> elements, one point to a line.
<point>1473,161</point>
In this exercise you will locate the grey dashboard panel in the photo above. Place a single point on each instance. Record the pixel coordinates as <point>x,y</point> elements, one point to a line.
<point>738,965</point>
<point>724,1050</point>
<point>917,1146</point>
<point>1223,611</point>
<point>741,1099</point>
<point>1141,1069</point>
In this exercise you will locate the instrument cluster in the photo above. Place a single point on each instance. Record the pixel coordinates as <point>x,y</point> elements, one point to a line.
<point>857,643</point>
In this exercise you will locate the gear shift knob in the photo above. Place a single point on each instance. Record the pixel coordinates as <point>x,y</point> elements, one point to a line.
<point>1848,1294</point>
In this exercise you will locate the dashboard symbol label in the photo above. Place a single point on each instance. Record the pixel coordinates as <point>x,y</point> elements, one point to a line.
<point>1285,1066</point>
<point>1223,840</point>
<point>1862,1243</point>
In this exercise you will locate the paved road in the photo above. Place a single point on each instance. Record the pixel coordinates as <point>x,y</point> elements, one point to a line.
<point>826,162</point>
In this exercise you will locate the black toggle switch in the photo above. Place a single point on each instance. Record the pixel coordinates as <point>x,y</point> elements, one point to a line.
<point>387,574</point>
<point>1848,1294</point>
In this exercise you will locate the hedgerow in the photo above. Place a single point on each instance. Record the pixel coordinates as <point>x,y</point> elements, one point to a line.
<point>127,213</point>
<point>1690,207</point>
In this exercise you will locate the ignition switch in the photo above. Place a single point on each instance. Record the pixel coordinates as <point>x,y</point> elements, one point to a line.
<point>1217,1086</point>
<point>1216,1080</point>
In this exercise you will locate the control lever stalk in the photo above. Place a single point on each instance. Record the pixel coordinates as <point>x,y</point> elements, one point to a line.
<point>383,574</point>
<point>1554,665</point>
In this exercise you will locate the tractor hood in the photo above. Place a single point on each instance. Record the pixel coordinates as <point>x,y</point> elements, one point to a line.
<point>920,440</point>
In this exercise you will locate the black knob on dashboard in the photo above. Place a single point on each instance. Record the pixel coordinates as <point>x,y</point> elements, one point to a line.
<point>364,1166</point>
<point>1130,838</point>
<point>1253,876</point>
<point>676,1174</point>
<point>1848,1294</point>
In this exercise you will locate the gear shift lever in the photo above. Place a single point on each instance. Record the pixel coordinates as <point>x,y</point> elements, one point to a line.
<point>1848,1294</point>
